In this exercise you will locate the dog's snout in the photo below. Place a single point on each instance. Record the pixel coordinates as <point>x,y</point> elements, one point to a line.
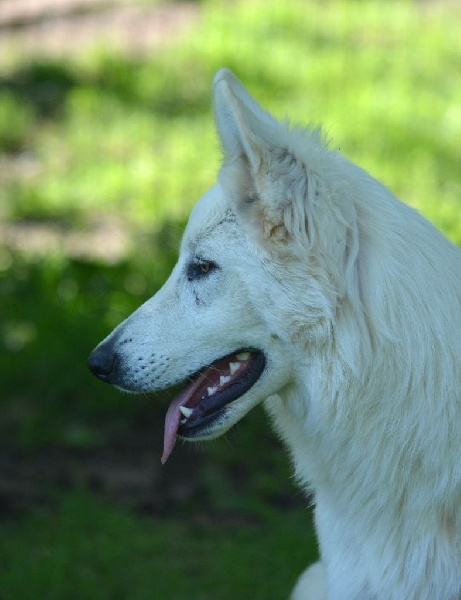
<point>101,363</point>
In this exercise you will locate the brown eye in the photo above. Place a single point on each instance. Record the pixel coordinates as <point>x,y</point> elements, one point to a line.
<point>199,268</point>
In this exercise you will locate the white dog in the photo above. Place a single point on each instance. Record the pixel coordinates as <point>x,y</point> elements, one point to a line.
<point>304,283</point>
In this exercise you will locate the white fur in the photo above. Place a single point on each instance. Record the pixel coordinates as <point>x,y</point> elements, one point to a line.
<point>355,300</point>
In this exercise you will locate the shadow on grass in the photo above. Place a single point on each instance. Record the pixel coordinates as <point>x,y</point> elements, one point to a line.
<point>90,551</point>
<point>55,309</point>
<point>44,86</point>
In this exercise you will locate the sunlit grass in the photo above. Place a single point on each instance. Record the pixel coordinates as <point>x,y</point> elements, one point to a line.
<point>136,137</point>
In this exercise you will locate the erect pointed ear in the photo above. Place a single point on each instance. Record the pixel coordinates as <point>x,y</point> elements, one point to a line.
<point>261,174</point>
<point>243,127</point>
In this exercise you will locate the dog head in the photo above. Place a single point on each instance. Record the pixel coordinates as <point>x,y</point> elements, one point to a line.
<point>257,281</point>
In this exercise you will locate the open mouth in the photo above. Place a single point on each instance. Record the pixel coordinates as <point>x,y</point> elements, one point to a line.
<point>210,391</point>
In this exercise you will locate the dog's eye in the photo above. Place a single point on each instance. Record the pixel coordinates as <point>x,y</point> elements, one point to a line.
<point>199,268</point>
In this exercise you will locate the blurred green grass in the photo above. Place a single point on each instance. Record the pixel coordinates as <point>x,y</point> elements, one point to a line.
<point>134,136</point>
<point>111,138</point>
<point>89,551</point>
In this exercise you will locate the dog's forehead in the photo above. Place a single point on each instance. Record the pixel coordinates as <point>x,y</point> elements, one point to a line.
<point>210,211</point>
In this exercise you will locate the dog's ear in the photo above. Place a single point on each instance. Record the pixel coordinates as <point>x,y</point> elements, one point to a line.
<point>263,177</point>
<point>244,128</point>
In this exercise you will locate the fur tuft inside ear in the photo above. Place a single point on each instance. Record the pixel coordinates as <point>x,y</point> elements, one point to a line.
<point>261,173</point>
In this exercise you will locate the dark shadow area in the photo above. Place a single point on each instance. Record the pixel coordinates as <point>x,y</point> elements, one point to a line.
<point>44,86</point>
<point>54,311</point>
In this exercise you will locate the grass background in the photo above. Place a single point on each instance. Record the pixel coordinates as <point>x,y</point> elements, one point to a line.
<point>102,156</point>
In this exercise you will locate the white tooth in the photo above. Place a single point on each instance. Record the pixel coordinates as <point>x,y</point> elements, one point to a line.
<point>224,379</point>
<point>186,412</point>
<point>243,356</point>
<point>183,421</point>
<point>212,390</point>
<point>234,366</point>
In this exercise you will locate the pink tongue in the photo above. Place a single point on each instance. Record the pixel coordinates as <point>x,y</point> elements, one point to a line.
<point>190,397</point>
<point>174,415</point>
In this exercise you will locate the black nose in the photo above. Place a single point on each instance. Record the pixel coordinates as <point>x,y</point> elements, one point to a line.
<point>101,363</point>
